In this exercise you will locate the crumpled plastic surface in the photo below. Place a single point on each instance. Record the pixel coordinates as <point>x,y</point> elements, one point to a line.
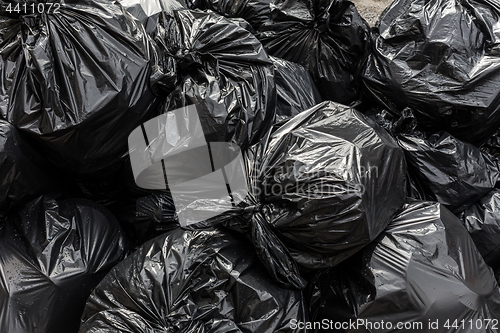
<point>24,173</point>
<point>452,172</point>
<point>192,281</point>
<point>328,37</point>
<point>255,12</point>
<point>146,216</point>
<point>423,267</point>
<point>52,254</point>
<point>492,144</point>
<point>296,91</point>
<point>221,68</point>
<point>158,209</point>
<point>148,12</point>
<point>320,188</point>
<point>482,220</point>
<point>342,178</point>
<point>441,58</point>
<point>78,81</point>
<point>441,167</point>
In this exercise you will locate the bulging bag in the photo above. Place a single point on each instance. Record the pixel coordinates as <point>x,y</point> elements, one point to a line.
<point>442,59</point>
<point>452,172</point>
<point>423,273</point>
<point>213,63</point>
<point>53,252</point>
<point>255,12</point>
<point>328,37</point>
<point>482,220</point>
<point>295,89</point>
<point>192,281</point>
<point>76,77</point>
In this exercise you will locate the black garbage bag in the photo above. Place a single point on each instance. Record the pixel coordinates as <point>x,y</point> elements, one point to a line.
<point>482,220</point>
<point>24,173</point>
<point>296,91</point>
<point>452,172</point>
<point>328,37</point>
<point>441,58</point>
<point>397,125</point>
<point>77,79</point>
<point>154,211</point>
<point>255,12</point>
<point>339,179</point>
<point>440,167</point>
<point>221,68</point>
<point>53,252</point>
<point>313,192</point>
<point>423,273</point>
<point>192,281</point>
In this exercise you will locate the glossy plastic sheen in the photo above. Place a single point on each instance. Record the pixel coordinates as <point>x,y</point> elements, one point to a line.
<point>441,58</point>
<point>295,89</point>
<point>191,282</point>
<point>342,178</point>
<point>328,37</point>
<point>52,254</point>
<point>77,81</point>
<point>148,12</point>
<point>255,12</point>
<point>221,68</point>
<point>424,267</point>
<point>453,172</point>
<point>482,220</point>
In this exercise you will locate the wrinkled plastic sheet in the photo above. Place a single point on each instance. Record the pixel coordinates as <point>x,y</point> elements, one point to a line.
<point>482,220</point>
<point>77,81</point>
<point>328,37</point>
<point>192,281</point>
<point>441,167</point>
<point>24,173</point>
<point>148,12</point>
<point>492,144</point>
<point>440,58</point>
<point>221,68</point>
<point>255,12</point>
<point>53,252</point>
<point>423,268</point>
<point>452,172</point>
<point>335,167</point>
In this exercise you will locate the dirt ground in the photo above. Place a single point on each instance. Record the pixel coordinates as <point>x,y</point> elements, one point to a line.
<point>371,9</point>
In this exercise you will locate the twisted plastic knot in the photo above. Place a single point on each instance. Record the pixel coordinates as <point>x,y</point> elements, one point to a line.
<point>187,59</point>
<point>321,26</point>
<point>253,209</point>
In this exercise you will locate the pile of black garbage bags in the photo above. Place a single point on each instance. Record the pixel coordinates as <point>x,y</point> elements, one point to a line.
<point>249,166</point>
